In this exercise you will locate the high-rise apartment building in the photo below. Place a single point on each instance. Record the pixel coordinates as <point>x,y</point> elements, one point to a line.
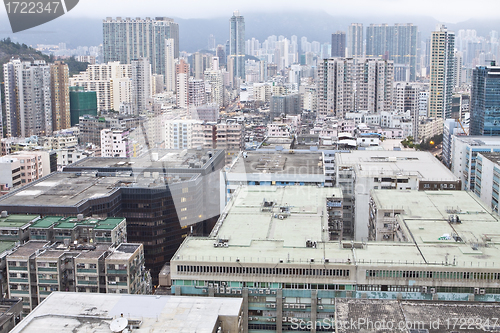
<point>355,40</point>
<point>127,39</point>
<point>196,92</point>
<point>442,67</point>
<point>214,79</point>
<point>398,43</point>
<point>141,84</point>
<point>112,83</point>
<point>81,103</point>
<point>170,65</point>
<point>237,44</point>
<point>485,101</point>
<point>338,44</point>
<point>59,86</point>
<point>354,84</point>
<point>28,104</point>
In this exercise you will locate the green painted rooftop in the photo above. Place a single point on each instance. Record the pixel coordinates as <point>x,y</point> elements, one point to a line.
<point>16,220</point>
<point>5,245</point>
<point>71,222</point>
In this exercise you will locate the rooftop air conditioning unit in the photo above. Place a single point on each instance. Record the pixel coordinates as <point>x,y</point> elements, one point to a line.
<point>433,290</point>
<point>320,307</point>
<point>482,291</point>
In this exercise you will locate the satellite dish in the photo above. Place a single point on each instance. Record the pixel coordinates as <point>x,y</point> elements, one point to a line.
<point>118,324</point>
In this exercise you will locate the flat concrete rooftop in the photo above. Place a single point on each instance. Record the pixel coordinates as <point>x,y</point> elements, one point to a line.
<point>387,162</point>
<point>156,158</point>
<point>260,236</point>
<point>414,316</point>
<point>492,156</point>
<point>426,221</point>
<point>71,189</point>
<point>92,312</point>
<point>295,163</point>
<point>254,236</point>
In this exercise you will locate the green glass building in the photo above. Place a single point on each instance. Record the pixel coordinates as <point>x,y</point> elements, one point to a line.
<point>81,103</point>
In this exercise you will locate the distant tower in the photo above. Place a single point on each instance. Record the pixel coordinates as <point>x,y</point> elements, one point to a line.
<point>355,41</point>
<point>338,44</point>
<point>237,43</point>
<point>211,42</point>
<point>442,72</point>
<point>59,88</point>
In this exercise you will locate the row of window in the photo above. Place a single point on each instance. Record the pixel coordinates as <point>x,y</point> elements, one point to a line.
<point>433,275</point>
<point>263,270</point>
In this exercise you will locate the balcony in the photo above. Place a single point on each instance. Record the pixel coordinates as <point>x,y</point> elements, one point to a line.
<point>18,268</point>
<point>47,281</point>
<point>19,280</point>
<point>87,283</point>
<point>47,269</point>
<point>117,271</point>
<point>87,270</point>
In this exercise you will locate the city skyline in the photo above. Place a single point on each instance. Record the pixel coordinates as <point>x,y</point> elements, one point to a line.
<point>361,8</point>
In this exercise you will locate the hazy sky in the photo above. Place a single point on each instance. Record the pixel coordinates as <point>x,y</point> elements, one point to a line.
<point>443,10</point>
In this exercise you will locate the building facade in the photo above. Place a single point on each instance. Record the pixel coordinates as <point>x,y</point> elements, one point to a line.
<point>442,72</point>
<point>485,101</point>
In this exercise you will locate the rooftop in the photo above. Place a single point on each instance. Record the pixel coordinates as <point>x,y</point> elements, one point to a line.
<point>70,189</point>
<point>17,221</point>
<point>492,156</point>
<point>124,251</point>
<point>27,249</point>
<point>290,162</point>
<point>426,221</point>
<point>479,140</point>
<point>389,162</point>
<point>260,236</point>
<point>5,246</point>
<point>81,312</point>
<point>71,222</point>
<point>255,236</point>
<point>413,316</point>
<point>154,159</point>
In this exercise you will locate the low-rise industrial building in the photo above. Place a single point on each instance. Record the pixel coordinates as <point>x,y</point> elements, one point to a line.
<point>358,172</point>
<point>286,269</point>
<point>133,313</point>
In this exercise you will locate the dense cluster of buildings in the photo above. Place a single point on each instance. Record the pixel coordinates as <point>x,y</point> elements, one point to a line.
<point>260,186</point>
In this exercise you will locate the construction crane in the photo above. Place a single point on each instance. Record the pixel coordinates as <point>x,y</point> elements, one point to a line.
<point>463,129</point>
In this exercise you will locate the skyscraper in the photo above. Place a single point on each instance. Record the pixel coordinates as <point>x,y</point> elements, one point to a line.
<point>485,101</point>
<point>112,83</point>
<point>237,43</point>
<point>127,39</point>
<point>398,43</point>
<point>355,40</point>
<point>169,65</point>
<point>347,85</point>
<point>141,84</point>
<point>59,88</point>
<point>441,72</point>
<point>28,102</point>
<point>338,44</point>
